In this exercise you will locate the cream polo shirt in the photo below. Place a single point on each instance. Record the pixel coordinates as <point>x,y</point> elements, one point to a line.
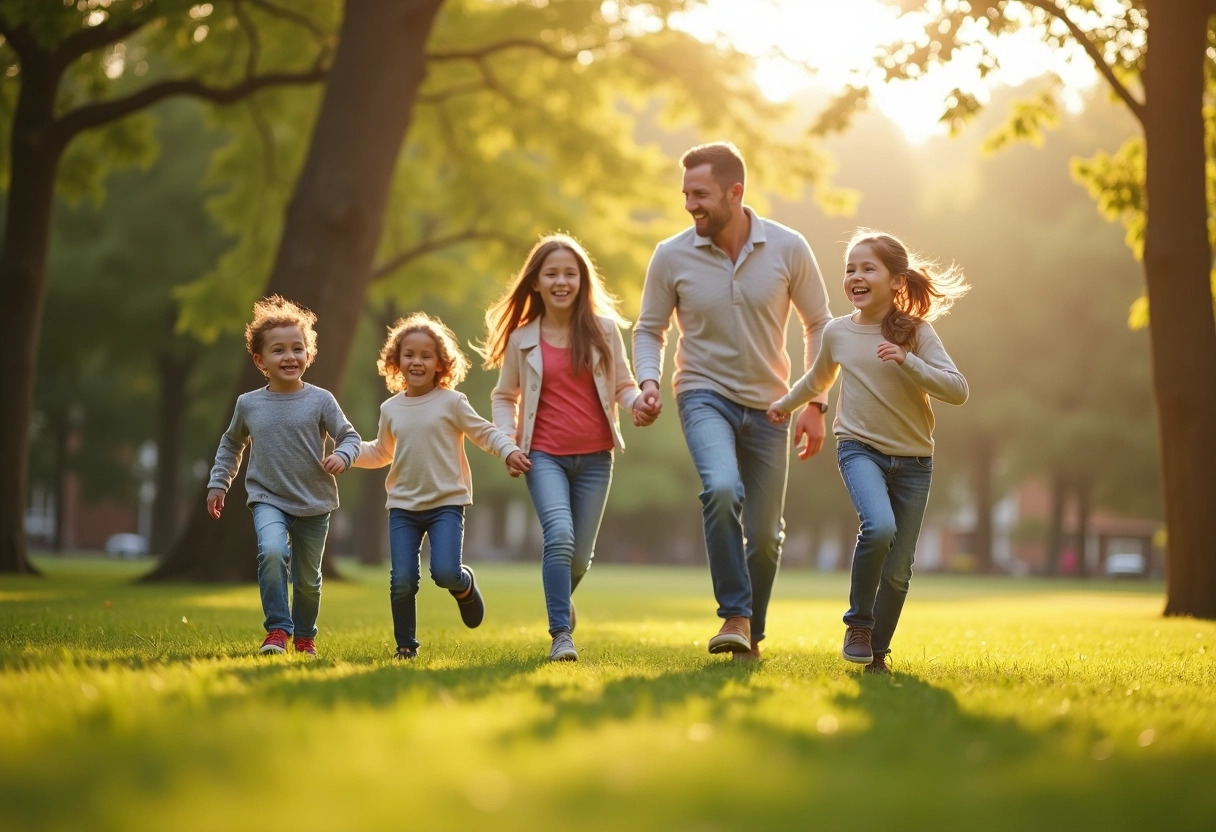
<point>731,317</point>
<point>882,403</point>
<point>517,392</point>
<point>421,439</point>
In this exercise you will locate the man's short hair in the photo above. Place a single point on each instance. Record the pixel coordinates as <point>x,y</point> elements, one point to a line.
<point>724,159</point>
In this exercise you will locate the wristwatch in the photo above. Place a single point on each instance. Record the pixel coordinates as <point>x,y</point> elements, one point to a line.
<point>823,408</point>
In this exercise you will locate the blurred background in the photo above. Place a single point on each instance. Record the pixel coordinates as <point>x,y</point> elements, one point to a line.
<point>165,226</point>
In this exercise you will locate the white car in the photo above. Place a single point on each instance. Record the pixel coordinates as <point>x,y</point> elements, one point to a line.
<point>1125,565</point>
<point>126,545</point>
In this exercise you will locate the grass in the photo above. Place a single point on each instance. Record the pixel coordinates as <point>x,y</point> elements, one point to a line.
<point>1016,704</point>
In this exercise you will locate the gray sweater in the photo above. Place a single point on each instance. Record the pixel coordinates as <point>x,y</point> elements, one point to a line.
<point>287,433</point>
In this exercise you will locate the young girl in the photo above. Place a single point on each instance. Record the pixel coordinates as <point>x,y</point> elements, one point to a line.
<point>421,438</point>
<point>291,488</point>
<point>555,334</point>
<point>892,362</point>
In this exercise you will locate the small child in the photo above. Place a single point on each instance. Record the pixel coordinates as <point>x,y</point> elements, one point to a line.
<point>892,362</point>
<point>421,438</point>
<point>291,488</point>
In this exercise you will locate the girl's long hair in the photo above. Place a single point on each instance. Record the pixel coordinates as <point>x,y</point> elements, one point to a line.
<point>522,304</point>
<point>928,291</point>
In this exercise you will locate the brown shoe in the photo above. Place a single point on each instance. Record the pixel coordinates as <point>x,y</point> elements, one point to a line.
<point>752,655</point>
<point>857,646</point>
<point>734,637</point>
<point>879,665</point>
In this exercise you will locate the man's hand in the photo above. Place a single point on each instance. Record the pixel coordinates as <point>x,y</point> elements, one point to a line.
<point>215,502</point>
<point>810,424</point>
<point>648,406</point>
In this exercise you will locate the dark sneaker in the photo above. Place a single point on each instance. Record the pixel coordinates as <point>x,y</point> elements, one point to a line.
<point>857,646</point>
<point>407,653</point>
<point>305,645</point>
<point>563,649</point>
<point>734,637</point>
<point>879,665</point>
<point>752,655</point>
<point>275,642</point>
<point>472,608</point>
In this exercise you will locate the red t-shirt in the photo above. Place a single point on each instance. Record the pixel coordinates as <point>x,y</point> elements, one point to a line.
<point>569,417</point>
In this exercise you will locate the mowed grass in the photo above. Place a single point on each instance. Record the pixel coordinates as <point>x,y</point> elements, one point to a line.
<point>1016,705</point>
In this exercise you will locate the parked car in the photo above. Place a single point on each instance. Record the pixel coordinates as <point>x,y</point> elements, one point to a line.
<point>126,545</point>
<point>1126,565</point>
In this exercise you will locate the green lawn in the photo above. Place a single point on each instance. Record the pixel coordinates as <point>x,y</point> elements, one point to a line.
<point>1016,705</point>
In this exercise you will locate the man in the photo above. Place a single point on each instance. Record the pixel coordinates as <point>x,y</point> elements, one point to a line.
<point>730,280</point>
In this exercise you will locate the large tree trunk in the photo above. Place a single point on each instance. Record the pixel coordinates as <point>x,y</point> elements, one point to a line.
<point>23,254</point>
<point>174,374</point>
<point>332,229</point>
<point>1055,524</point>
<point>1177,264</point>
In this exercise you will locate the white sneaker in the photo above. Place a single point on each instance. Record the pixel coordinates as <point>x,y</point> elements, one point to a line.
<point>563,649</point>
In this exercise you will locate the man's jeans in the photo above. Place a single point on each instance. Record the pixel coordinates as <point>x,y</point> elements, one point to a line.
<point>889,493</point>
<point>569,493</point>
<point>743,460</point>
<point>290,549</point>
<point>444,526</point>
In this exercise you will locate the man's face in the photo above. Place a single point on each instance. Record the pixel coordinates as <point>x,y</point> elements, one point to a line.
<point>708,203</point>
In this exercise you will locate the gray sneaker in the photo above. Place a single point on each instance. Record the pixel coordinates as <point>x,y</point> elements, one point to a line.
<point>563,649</point>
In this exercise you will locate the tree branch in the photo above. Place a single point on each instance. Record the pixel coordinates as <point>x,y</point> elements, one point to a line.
<point>318,31</point>
<point>432,245</point>
<point>1091,49</point>
<point>95,115</point>
<point>108,31</point>
<point>251,32</point>
<point>501,46</point>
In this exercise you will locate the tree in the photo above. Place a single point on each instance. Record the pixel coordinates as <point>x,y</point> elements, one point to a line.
<point>70,77</point>
<point>1164,48</point>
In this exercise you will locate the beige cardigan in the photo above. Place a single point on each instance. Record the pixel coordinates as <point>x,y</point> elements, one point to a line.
<point>520,378</point>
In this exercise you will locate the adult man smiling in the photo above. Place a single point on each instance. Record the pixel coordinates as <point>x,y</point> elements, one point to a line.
<point>730,281</point>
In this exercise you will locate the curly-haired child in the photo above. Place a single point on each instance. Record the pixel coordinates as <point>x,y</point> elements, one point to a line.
<point>421,438</point>
<point>290,481</point>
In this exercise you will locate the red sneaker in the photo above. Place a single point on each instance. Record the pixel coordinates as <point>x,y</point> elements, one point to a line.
<point>305,645</point>
<point>275,642</point>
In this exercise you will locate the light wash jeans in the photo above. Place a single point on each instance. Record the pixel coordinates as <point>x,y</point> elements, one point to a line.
<point>444,526</point>
<point>289,550</point>
<point>889,493</point>
<point>743,460</point>
<point>569,493</point>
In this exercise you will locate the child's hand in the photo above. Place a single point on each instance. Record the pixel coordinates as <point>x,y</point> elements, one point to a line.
<point>518,464</point>
<point>777,414</point>
<point>333,464</point>
<point>215,502</point>
<point>892,352</point>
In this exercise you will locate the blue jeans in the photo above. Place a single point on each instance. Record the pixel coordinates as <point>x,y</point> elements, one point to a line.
<point>569,493</point>
<point>445,528</point>
<point>290,549</point>
<point>743,460</point>
<point>889,493</point>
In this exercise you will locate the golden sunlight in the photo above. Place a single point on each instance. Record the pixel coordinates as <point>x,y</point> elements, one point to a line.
<point>827,44</point>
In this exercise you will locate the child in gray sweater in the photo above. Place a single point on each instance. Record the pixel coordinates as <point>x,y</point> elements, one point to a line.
<point>290,480</point>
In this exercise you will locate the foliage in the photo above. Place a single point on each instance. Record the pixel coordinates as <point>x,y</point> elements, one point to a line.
<point>148,705</point>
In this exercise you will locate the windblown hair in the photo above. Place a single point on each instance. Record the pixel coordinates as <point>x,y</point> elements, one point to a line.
<point>453,364</point>
<point>927,293</point>
<point>724,160</point>
<point>276,311</point>
<point>522,304</point>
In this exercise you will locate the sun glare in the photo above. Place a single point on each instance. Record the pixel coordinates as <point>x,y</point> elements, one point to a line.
<point>827,44</point>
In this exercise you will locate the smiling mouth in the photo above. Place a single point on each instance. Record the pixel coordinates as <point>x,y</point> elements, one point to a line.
<point>858,291</point>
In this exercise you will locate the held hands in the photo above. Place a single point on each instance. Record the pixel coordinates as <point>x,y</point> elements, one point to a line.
<point>776,413</point>
<point>333,464</point>
<point>648,406</point>
<point>892,352</point>
<point>215,502</point>
<point>518,463</point>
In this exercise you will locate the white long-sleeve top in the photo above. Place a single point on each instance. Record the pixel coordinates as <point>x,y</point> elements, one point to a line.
<point>421,439</point>
<point>882,403</point>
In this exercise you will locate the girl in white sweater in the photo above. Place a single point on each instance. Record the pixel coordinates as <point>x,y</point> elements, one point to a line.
<point>421,438</point>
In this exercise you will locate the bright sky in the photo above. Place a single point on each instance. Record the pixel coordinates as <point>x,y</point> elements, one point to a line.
<point>839,37</point>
